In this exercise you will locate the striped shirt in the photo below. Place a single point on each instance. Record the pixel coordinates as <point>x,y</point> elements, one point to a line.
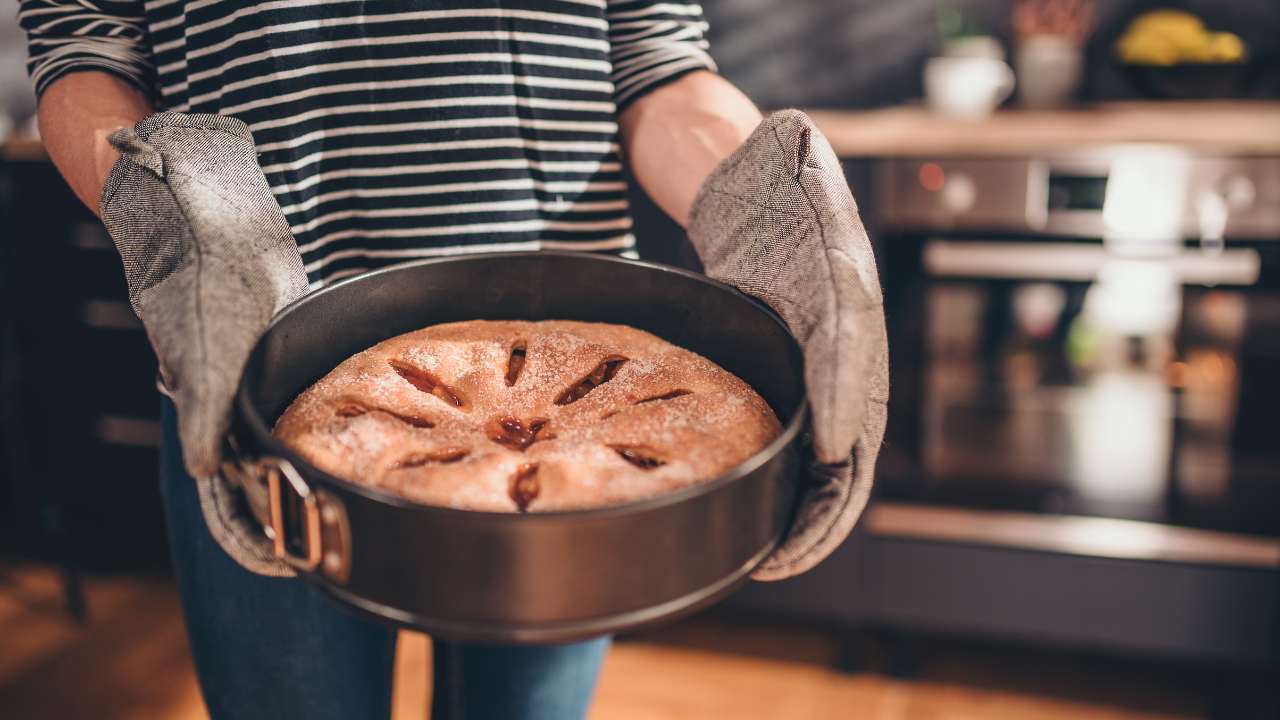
<point>398,130</point>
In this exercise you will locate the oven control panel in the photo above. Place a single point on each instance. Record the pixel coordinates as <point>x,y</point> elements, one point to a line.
<point>1133,192</point>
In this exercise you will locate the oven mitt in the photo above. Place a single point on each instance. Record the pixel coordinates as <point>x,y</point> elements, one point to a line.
<point>209,259</point>
<point>777,221</point>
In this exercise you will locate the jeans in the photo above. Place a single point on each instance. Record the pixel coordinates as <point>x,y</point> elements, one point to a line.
<point>277,648</point>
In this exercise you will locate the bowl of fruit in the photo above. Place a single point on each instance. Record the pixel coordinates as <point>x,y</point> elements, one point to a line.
<point>1171,54</point>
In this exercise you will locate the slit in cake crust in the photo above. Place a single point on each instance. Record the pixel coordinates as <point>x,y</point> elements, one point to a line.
<point>602,374</point>
<point>680,392</point>
<point>352,409</point>
<point>434,457</point>
<point>509,431</point>
<point>426,382</point>
<point>515,361</point>
<point>638,455</point>
<point>524,486</point>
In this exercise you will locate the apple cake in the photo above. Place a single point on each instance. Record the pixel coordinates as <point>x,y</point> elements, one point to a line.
<point>510,416</point>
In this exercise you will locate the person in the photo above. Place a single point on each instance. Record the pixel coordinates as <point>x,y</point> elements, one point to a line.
<point>242,154</point>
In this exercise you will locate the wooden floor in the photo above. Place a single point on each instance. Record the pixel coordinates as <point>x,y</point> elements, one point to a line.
<point>131,661</point>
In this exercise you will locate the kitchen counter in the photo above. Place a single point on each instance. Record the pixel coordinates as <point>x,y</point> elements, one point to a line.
<point>22,148</point>
<point>1229,127</point>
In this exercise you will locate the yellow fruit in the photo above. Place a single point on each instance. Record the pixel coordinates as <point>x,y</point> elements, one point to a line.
<point>1168,37</point>
<point>1167,21</point>
<point>1198,51</point>
<point>1225,47</point>
<point>1147,50</point>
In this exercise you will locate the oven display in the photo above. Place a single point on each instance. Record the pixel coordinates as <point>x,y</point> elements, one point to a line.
<point>1076,192</point>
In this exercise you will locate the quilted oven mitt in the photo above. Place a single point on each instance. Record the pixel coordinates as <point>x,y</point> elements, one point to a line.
<point>776,219</point>
<point>209,259</point>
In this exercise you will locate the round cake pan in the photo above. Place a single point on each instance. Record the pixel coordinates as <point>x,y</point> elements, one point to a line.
<point>519,578</point>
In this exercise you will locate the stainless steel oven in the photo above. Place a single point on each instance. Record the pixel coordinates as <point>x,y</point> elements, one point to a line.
<point>1096,334</point>
<point>1084,430</point>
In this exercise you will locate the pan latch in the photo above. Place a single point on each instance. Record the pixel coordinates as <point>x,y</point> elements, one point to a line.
<point>308,528</point>
<point>299,513</point>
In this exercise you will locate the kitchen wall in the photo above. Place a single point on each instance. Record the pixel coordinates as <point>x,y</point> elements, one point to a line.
<point>16,99</point>
<point>866,53</point>
<point>852,53</point>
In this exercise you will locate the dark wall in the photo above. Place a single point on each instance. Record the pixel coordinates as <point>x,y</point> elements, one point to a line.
<point>867,53</point>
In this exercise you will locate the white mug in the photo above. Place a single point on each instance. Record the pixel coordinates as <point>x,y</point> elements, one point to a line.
<point>966,87</point>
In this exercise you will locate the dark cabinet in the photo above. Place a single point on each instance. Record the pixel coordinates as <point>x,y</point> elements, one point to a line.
<point>80,406</point>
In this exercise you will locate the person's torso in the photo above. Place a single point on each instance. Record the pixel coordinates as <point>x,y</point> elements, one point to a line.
<point>397,130</point>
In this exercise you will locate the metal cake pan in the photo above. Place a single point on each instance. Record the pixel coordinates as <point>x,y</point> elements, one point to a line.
<point>519,578</point>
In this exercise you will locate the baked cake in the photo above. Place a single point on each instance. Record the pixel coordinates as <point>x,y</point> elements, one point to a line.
<point>527,416</point>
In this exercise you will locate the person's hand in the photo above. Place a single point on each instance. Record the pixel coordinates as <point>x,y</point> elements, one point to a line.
<point>209,259</point>
<point>776,219</point>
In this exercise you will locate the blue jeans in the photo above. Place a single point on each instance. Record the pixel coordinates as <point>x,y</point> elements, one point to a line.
<point>277,648</point>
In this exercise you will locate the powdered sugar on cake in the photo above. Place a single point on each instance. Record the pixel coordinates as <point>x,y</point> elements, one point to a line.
<point>527,416</point>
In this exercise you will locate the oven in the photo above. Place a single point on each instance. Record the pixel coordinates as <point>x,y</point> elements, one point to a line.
<point>1088,335</point>
<point>1083,448</point>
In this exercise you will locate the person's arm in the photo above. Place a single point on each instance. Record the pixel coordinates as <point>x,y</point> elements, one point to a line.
<point>76,114</point>
<point>674,136</point>
<point>91,68</point>
<point>678,118</point>
<point>768,210</point>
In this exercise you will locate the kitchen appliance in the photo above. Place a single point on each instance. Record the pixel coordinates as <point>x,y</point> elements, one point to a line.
<point>504,577</point>
<point>1082,442</point>
<point>1091,334</point>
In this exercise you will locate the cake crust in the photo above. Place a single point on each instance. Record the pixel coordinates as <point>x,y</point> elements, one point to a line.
<point>513,416</point>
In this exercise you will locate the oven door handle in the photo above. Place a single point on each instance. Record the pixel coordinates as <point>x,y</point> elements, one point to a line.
<point>1079,262</point>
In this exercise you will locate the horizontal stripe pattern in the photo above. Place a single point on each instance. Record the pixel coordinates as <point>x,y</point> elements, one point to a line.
<point>392,131</point>
<point>68,35</point>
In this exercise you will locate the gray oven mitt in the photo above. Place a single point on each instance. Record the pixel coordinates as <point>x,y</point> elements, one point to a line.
<point>777,221</point>
<point>209,260</point>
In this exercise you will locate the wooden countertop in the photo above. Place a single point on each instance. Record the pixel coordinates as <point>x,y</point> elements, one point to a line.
<point>22,148</point>
<point>1234,127</point>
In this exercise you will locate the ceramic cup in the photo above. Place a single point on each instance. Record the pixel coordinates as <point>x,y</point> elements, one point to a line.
<point>969,88</point>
